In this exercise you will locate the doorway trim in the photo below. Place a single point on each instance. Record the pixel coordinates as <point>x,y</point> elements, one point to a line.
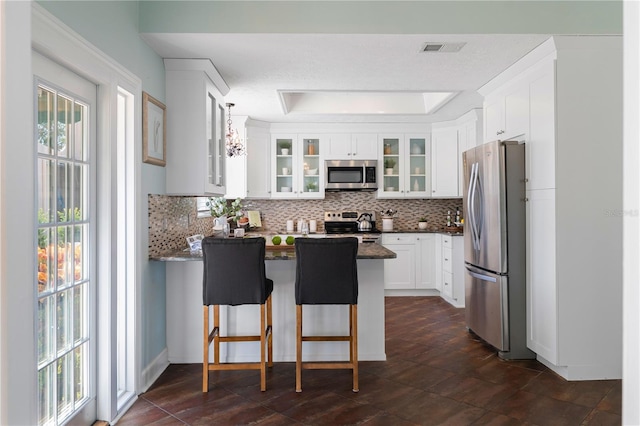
<point>54,39</point>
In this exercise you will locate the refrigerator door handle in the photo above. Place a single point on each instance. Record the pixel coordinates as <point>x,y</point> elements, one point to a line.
<point>482,276</point>
<point>470,196</point>
<point>480,218</point>
<point>472,206</point>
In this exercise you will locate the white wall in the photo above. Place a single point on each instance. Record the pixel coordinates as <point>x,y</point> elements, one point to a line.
<point>17,263</point>
<point>631,225</point>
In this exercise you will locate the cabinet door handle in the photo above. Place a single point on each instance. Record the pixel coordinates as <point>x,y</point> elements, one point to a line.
<point>499,132</point>
<point>348,153</point>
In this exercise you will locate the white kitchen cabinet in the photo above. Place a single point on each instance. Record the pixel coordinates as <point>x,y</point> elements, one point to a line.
<point>469,135</point>
<point>506,113</point>
<point>444,166</point>
<point>540,152</point>
<point>196,155</point>
<point>352,146</point>
<point>297,168</point>
<point>414,268</point>
<point>574,207</point>
<point>542,335</point>
<point>452,261</point>
<point>400,273</point>
<point>404,166</point>
<point>258,168</point>
<point>425,261</point>
<point>438,261</point>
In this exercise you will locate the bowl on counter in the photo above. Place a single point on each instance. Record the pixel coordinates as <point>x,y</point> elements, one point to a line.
<point>422,225</point>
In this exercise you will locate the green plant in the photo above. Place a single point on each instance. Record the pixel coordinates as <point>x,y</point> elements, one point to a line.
<point>221,207</point>
<point>389,163</point>
<point>422,219</point>
<point>285,145</point>
<point>312,186</point>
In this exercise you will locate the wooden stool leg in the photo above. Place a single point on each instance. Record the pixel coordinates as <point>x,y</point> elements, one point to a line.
<point>216,337</point>
<point>270,326</point>
<point>263,349</point>
<point>298,348</point>
<point>354,345</point>
<point>205,358</point>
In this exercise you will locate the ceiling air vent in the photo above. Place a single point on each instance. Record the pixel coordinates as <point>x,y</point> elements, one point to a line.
<point>442,47</point>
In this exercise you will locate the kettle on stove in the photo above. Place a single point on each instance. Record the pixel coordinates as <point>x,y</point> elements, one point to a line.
<point>364,222</point>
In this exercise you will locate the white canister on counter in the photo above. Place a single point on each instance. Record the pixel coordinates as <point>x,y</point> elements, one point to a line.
<point>300,225</point>
<point>313,226</point>
<point>387,224</point>
<point>290,226</point>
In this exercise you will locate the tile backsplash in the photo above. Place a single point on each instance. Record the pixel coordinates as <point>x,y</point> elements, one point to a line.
<point>173,218</point>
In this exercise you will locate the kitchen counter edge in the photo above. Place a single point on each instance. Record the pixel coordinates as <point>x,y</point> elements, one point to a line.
<point>365,251</point>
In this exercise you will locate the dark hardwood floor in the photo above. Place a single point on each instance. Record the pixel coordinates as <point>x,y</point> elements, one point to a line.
<point>436,373</point>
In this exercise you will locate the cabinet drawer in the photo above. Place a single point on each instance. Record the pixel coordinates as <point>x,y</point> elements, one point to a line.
<point>447,284</point>
<point>398,239</point>
<point>447,258</point>
<point>447,241</point>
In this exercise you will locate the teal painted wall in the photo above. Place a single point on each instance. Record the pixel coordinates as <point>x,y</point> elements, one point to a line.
<point>383,17</point>
<point>112,26</point>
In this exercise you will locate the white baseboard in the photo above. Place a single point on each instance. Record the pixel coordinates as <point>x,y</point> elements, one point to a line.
<point>152,371</point>
<point>584,372</point>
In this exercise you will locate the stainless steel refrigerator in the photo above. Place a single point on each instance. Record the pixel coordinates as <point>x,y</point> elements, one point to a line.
<point>494,246</point>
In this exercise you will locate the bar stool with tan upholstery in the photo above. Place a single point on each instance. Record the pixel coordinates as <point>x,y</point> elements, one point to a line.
<point>327,274</point>
<point>234,274</point>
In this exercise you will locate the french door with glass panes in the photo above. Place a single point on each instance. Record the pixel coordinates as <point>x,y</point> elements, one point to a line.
<point>65,168</point>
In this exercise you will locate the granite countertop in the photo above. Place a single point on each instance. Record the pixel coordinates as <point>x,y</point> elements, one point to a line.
<point>448,231</point>
<point>365,251</point>
<point>423,231</point>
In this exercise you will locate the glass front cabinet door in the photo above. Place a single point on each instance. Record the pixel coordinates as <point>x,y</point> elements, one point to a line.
<point>297,170</point>
<point>405,166</point>
<point>216,145</point>
<point>196,156</point>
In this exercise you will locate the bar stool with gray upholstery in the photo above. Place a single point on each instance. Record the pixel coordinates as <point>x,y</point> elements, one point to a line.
<point>234,274</point>
<point>327,274</point>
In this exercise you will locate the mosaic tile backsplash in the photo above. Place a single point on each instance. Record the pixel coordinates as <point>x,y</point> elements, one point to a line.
<point>172,218</point>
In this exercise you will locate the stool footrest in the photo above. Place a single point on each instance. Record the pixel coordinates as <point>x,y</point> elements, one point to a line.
<point>239,338</point>
<point>326,338</point>
<point>235,366</point>
<point>327,365</point>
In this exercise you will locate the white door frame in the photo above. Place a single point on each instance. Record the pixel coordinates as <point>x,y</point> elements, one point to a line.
<point>56,40</point>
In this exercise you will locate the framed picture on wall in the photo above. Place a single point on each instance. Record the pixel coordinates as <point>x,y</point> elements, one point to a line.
<point>154,135</point>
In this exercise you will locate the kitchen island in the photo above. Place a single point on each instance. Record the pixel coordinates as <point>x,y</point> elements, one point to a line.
<point>184,311</point>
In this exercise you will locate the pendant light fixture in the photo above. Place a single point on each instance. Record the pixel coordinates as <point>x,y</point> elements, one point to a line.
<point>234,145</point>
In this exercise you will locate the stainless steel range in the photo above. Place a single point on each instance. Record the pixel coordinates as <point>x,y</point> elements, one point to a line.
<point>351,222</point>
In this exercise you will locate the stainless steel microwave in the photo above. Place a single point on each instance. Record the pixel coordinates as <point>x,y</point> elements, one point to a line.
<point>351,175</point>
